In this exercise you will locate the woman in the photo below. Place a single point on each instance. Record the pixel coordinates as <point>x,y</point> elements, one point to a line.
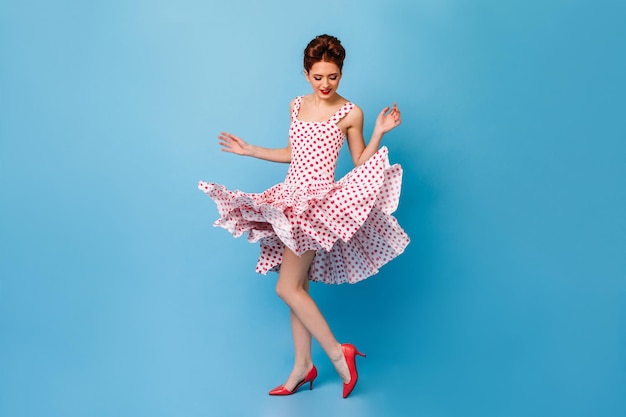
<point>311,227</point>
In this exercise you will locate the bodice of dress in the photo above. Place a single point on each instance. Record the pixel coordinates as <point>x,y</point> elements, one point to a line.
<point>314,150</point>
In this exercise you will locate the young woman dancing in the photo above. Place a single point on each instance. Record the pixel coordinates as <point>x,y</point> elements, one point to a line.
<point>311,227</point>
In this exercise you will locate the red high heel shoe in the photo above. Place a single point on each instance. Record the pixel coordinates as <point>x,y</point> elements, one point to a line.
<point>310,377</point>
<point>350,352</point>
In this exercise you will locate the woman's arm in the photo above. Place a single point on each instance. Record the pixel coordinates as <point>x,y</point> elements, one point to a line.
<point>384,123</point>
<point>233,144</point>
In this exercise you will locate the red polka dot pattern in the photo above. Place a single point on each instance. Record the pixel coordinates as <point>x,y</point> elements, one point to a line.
<point>348,223</point>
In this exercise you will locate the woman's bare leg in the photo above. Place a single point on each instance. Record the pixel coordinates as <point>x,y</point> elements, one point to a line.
<point>302,348</point>
<point>307,320</point>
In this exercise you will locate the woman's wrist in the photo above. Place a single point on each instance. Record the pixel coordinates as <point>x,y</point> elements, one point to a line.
<point>377,134</point>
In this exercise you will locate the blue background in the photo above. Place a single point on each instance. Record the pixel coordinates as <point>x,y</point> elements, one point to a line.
<point>118,297</point>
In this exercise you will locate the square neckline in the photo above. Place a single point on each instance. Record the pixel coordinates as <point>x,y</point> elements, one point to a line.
<point>336,115</point>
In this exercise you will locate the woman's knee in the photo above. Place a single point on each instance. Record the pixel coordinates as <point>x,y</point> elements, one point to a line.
<point>286,290</point>
<point>281,290</point>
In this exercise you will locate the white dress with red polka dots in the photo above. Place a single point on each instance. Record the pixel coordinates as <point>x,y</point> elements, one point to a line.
<point>348,223</point>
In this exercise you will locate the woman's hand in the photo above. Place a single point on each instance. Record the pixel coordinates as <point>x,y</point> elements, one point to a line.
<point>386,122</point>
<point>233,144</point>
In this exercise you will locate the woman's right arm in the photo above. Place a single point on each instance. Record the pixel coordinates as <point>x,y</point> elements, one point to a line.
<point>233,144</point>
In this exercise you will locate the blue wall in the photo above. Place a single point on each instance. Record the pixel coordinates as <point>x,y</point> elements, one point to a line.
<point>118,297</point>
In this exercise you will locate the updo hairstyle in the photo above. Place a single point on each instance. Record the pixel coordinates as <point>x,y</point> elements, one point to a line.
<point>324,48</point>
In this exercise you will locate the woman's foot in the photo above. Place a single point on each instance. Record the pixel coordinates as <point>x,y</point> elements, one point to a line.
<point>341,366</point>
<point>349,353</point>
<point>299,377</point>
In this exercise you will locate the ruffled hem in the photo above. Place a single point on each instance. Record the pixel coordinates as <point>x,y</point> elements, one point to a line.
<point>347,223</point>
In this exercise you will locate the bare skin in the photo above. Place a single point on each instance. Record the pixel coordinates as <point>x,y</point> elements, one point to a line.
<point>292,287</point>
<point>316,107</point>
<point>306,319</point>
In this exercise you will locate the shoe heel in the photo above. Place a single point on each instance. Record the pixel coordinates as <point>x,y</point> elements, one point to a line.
<point>311,385</point>
<point>360,354</point>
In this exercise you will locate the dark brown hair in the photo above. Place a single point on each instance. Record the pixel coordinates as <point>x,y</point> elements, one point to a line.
<point>324,48</point>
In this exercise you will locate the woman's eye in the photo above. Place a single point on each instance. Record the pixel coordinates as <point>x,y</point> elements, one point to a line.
<point>317,78</point>
<point>333,78</point>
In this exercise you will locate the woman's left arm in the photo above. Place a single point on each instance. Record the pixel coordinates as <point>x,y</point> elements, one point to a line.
<point>384,123</point>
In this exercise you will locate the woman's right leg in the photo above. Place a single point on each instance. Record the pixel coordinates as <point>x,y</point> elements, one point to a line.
<point>302,349</point>
<point>292,287</point>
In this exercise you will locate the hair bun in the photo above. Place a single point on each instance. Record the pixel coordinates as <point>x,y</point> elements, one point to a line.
<point>324,48</point>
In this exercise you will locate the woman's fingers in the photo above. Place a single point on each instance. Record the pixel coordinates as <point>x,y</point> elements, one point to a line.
<point>231,143</point>
<point>395,112</point>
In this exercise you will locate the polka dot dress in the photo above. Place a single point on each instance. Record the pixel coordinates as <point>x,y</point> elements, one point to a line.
<point>348,222</point>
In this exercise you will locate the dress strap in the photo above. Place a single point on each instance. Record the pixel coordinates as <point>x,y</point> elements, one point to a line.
<point>345,109</point>
<point>296,107</point>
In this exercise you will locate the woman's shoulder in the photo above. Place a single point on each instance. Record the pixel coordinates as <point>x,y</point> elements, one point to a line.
<point>355,112</point>
<point>353,106</point>
<point>293,102</point>
<point>299,99</point>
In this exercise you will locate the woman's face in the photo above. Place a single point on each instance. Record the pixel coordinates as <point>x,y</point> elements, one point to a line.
<point>324,78</point>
